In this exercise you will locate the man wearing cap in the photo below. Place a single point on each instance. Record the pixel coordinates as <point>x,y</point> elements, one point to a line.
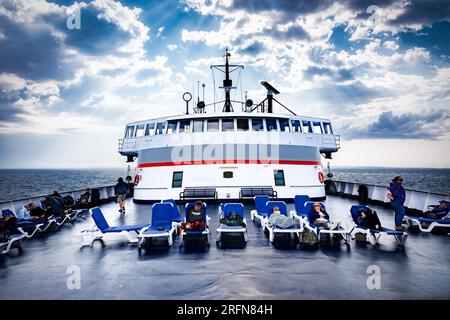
<point>397,196</point>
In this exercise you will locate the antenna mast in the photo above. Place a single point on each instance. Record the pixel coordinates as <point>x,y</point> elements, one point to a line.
<point>227,82</point>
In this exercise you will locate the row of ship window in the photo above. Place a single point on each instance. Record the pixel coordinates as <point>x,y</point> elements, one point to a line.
<point>177,178</point>
<point>227,124</point>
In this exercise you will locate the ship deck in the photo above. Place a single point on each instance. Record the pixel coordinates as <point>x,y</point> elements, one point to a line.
<point>115,269</point>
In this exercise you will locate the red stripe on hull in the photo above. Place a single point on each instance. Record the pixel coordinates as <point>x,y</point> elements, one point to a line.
<point>200,162</point>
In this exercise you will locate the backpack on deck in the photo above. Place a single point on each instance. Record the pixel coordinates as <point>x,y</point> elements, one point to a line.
<point>309,239</point>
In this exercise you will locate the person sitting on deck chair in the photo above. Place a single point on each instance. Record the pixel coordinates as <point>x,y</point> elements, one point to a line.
<point>194,220</point>
<point>369,219</point>
<point>438,211</point>
<point>83,202</point>
<point>233,220</point>
<point>53,205</point>
<point>321,218</point>
<point>281,221</point>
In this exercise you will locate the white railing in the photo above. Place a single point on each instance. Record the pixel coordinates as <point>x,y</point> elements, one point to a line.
<point>415,199</point>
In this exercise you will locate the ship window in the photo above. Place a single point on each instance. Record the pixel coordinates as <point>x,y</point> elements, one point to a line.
<point>307,128</point>
<point>228,174</point>
<point>284,125</point>
<point>185,126</point>
<point>130,131</point>
<point>227,124</point>
<point>213,125</point>
<point>150,129</point>
<point>317,127</point>
<point>279,177</point>
<point>271,124</point>
<point>171,127</point>
<point>197,126</point>
<point>160,127</point>
<point>177,179</point>
<point>327,128</point>
<point>242,124</point>
<point>257,125</point>
<point>140,130</point>
<point>296,126</point>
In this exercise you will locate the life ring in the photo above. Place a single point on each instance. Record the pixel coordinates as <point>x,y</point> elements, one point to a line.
<point>321,177</point>
<point>137,178</point>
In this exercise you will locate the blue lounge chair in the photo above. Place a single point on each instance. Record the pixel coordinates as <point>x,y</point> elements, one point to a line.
<point>299,202</point>
<point>200,236</point>
<point>102,229</point>
<point>224,232</point>
<point>177,219</point>
<point>344,231</point>
<point>261,212</point>
<point>374,235</point>
<point>161,226</point>
<point>427,224</point>
<point>273,230</point>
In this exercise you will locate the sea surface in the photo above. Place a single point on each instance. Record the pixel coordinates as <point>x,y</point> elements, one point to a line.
<point>23,183</point>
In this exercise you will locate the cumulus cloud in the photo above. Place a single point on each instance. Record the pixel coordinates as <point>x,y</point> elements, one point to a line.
<point>404,126</point>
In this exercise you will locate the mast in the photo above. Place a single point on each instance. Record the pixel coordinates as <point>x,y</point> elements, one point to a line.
<point>227,82</point>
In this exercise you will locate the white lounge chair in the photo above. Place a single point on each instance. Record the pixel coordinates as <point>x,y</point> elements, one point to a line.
<point>273,230</point>
<point>102,229</point>
<point>224,232</point>
<point>161,226</point>
<point>374,235</point>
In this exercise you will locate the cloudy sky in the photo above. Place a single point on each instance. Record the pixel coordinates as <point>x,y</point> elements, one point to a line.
<point>379,69</point>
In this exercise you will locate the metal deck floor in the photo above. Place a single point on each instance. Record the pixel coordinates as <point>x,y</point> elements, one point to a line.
<point>259,271</point>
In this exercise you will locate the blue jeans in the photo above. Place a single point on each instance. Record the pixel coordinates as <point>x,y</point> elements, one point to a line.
<point>399,212</point>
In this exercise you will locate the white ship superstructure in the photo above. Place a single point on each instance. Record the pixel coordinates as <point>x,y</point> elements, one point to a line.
<point>229,152</point>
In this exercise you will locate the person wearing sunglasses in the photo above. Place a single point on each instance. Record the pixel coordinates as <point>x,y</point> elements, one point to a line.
<point>397,195</point>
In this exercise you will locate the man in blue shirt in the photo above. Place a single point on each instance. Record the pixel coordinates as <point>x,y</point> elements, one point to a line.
<point>397,195</point>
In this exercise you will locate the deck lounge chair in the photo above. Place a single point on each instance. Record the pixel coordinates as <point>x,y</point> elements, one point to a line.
<point>177,219</point>
<point>188,237</point>
<point>427,224</point>
<point>299,212</point>
<point>102,229</point>
<point>24,227</point>
<point>13,241</point>
<point>342,231</point>
<point>225,232</point>
<point>261,212</point>
<point>273,230</point>
<point>374,235</point>
<point>161,226</point>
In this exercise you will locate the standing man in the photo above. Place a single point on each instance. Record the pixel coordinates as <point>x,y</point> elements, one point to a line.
<point>397,196</point>
<point>121,190</point>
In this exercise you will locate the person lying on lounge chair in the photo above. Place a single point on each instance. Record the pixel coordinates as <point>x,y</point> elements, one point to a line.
<point>439,211</point>
<point>321,218</point>
<point>233,220</point>
<point>7,225</point>
<point>26,213</point>
<point>194,220</point>
<point>369,219</point>
<point>281,221</point>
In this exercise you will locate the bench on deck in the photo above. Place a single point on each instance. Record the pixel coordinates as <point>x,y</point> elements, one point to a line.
<point>198,194</point>
<point>257,191</point>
